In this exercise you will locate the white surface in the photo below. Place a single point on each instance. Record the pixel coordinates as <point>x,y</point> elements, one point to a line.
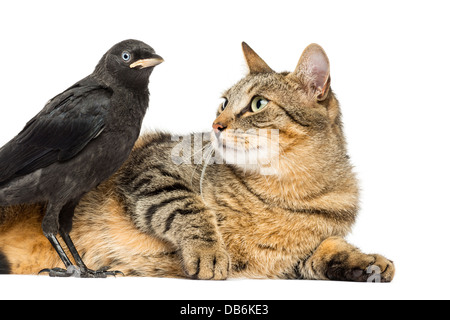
<point>389,68</point>
<point>33,287</point>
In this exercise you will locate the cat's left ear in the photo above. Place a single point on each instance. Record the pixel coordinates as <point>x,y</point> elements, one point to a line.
<point>313,70</point>
<point>254,62</point>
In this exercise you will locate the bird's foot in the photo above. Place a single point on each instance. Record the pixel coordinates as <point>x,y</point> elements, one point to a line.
<point>101,273</point>
<point>76,272</point>
<point>72,271</point>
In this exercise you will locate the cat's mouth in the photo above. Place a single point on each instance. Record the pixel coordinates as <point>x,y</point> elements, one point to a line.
<point>245,150</point>
<point>233,146</point>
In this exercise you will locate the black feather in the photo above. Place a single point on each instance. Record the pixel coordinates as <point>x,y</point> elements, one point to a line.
<point>61,130</point>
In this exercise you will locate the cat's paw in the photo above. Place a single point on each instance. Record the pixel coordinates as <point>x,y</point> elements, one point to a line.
<point>206,262</point>
<point>360,267</point>
<point>336,259</point>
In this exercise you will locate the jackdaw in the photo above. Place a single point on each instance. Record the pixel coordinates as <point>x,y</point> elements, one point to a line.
<point>79,139</point>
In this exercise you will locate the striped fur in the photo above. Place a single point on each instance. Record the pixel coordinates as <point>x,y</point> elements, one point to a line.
<point>158,218</point>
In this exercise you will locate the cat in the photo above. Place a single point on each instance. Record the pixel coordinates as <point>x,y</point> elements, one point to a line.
<point>272,195</point>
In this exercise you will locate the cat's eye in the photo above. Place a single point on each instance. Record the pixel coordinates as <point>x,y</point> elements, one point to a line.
<point>224,104</point>
<point>126,56</point>
<point>258,103</point>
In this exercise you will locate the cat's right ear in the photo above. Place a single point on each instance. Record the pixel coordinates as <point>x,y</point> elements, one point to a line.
<point>313,70</point>
<point>254,62</point>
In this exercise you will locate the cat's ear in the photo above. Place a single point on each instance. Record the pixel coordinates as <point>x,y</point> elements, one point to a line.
<point>313,70</point>
<point>254,62</point>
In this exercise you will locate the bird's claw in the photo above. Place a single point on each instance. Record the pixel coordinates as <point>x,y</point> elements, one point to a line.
<point>103,273</point>
<point>76,272</point>
<point>57,272</point>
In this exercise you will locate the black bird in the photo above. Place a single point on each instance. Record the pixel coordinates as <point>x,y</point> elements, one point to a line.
<point>80,138</point>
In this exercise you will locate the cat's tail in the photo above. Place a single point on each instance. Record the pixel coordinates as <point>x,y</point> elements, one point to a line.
<point>23,247</point>
<point>4,264</point>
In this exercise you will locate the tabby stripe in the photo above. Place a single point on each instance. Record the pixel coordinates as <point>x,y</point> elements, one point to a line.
<point>238,177</point>
<point>177,212</point>
<point>154,208</point>
<point>293,118</point>
<point>125,177</point>
<point>142,182</point>
<point>240,266</point>
<point>137,171</point>
<point>336,215</point>
<point>170,188</point>
<point>297,273</point>
<point>165,172</point>
<point>148,170</point>
<point>225,204</point>
<point>204,238</point>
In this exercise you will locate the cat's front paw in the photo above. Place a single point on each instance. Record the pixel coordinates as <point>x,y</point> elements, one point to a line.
<point>206,261</point>
<point>335,259</point>
<point>347,263</point>
<point>360,267</point>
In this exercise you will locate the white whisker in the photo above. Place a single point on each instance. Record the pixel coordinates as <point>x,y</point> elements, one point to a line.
<point>208,158</point>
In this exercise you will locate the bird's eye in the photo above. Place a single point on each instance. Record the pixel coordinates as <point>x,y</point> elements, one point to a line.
<point>126,56</point>
<point>224,103</point>
<point>258,103</point>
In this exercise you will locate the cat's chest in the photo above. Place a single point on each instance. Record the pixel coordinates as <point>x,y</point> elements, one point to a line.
<point>258,236</point>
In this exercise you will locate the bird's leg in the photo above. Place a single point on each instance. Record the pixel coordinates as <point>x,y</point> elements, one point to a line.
<point>65,223</point>
<point>84,271</point>
<point>70,271</point>
<point>74,252</point>
<point>57,272</point>
<point>49,226</point>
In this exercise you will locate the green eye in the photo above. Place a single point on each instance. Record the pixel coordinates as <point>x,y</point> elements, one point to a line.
<point>259,103</point>
<point>224,104</point>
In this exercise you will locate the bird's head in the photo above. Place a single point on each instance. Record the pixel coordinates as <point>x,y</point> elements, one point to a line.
<point>128,63</point>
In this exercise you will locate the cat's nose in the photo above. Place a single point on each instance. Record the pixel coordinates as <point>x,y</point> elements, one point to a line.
<point>218,128</point>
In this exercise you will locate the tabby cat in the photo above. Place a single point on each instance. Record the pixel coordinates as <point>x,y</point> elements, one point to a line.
<point>239,211</point>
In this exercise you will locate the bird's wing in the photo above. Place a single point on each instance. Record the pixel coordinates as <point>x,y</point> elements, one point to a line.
<point>59,132</point>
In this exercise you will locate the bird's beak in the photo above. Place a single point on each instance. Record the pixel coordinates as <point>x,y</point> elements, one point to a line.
<point>146,63</point>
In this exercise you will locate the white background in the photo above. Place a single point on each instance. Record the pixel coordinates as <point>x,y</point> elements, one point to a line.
<point>390,69</point>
